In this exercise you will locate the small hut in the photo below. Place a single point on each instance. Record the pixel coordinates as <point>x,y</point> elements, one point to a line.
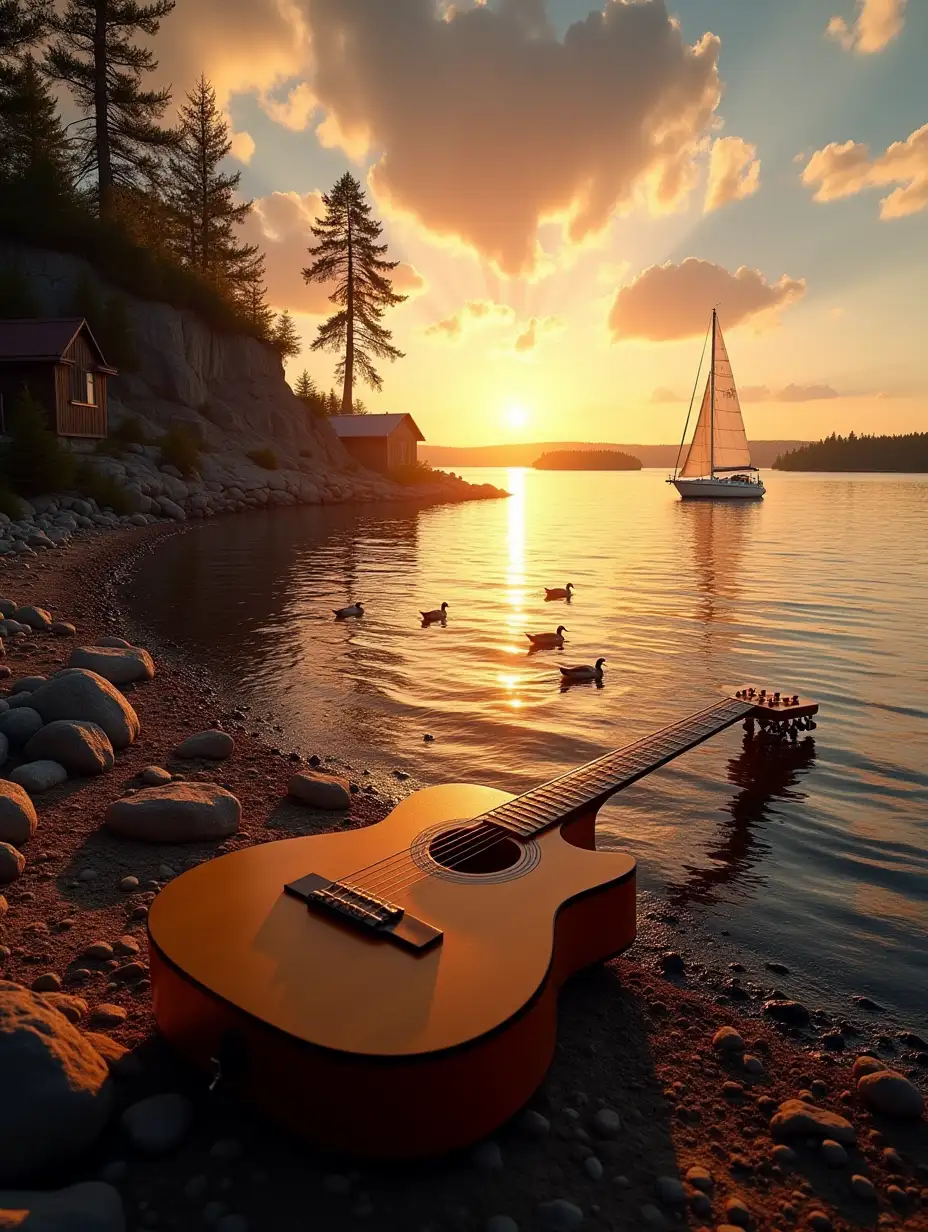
<point>60,362</point>
<point>380,442</point>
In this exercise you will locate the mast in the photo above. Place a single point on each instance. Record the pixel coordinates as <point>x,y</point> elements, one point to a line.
<point>712,402</point>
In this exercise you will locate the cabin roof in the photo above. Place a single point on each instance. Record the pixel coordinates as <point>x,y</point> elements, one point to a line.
<point>371,425</point>
<point>44,339</point>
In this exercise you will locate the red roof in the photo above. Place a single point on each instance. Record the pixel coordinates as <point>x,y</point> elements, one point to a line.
<point>43,339</point>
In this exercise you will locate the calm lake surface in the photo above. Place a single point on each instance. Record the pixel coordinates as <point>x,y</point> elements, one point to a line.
<point>815,856</point>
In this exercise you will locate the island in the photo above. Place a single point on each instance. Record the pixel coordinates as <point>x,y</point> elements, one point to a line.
<point>908,452</point>
<point>587,460</point>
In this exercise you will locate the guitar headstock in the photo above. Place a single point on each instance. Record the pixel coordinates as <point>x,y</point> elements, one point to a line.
<point>778,712</point>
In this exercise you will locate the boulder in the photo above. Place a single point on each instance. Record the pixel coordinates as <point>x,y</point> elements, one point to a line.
<point>111,640</point>
<point>155,776</point>
<point>213,744</point>
<point>176,813</point>
<point>7,607</point>
<point>12,863</point>
<point>28,684</point>
<point>170,509</point>
<point>797,1119</point>
<point>79,694</point>
<point>867,1065</point>
<point>118,665</point>
<point>892,1094</point>
<point>321,791</point>
<point>18,818</point>
<point>39,776</point>
<point>91,1206</point>
<point>57,1093</point>
<point>19,724</point>
<point>63,628</point>
<point>727,1039</point>
<point>79,746</point>
<point>35,617</point>
<point>159,1123</point>
<point>18,699</point>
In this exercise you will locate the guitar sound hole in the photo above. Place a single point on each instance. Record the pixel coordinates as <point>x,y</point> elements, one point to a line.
<point>475,850</point>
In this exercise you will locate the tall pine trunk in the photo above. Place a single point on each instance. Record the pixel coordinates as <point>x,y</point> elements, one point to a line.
<point>348,387</point>
<point>101,108</point>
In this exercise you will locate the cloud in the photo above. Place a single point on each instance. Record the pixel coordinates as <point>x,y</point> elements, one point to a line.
<point>280,224</point>
<point>670,301</point>
<point>242,147</point>
<point>843,170</point>
<point>877,23</point>
<point>474,314</point>
<point>662,394</point>
<point>734,172</point>
<point>295,110</point>
<point>791,393</point>
<point>486,124</point>
<point>531,336</point>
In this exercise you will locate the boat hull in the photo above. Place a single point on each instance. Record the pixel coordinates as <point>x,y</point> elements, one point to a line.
<point>718,489</point>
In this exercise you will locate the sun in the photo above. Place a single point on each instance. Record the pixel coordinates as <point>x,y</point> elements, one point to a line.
<point>515,416</point>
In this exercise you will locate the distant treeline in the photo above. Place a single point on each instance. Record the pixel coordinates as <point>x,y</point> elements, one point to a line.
<point>587,460</point>
<point>859,453</point>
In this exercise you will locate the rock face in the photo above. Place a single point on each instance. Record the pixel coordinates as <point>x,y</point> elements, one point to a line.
<point>213,744</point>
<point>91,1206</point>
<point>57,1093</point>
<point>321,791</point>
<point>176,813</point>
<point>892,1094</point>
<point>797,1119</point>
<point>76,693</point>
<point>117,665</point>
<point>19,725</point>
<point>82,748</point>
<point>18,818</point>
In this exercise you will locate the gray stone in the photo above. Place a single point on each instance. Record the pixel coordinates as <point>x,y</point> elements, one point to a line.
<point>863,1188</point>
<point>159,1123</point>
<point>28,684</point>
<point>727,1039</point>
<point>18,699</point>
<point>487,1156</point>
<point>534,1124</point>
<point>867,1065</point>
<point>91,1206</point>
<point>321,791</point>
<point>892,1094</point>
<point>12,863</point>
<point>753,1065</point>
<point>834,1153</point>
<point>39,776</point>
<point>797,1119</point>
<point>63,628</point>
<point>81,747</point>
<point>607,1123</point>
<point>171,509</point>
<point>116,664</point>
<point>35,617</point>
<point>593,1168</point>
<point>19,725</point>
<point>111,640</point>
<point>7,607</point>
<point>501,1223</point>
<point>155,776</point>
<point>18,818</point>
<point>652,1215</point>
<point>57,1093</point>
<point>78,694</point>
<point>176,813</point>
<point>670,1191</point>
<point>737,1213</point>
<point>793,1013</point>
<point>559,1216</point>
<point>213,744</point>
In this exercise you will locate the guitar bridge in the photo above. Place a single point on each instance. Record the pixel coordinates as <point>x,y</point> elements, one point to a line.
<point>367,912</point>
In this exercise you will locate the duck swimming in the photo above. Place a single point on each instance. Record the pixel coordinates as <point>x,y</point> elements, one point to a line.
<point>353,609</point>
<point>558,592</point>
<point>547,641</point>
<point>584,672</point>
<point>438,613</point>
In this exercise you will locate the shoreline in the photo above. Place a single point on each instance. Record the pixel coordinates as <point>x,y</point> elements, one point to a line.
<point>630,1038</point>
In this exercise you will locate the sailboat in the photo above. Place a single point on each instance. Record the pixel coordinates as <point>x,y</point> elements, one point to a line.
<point>718,462</point>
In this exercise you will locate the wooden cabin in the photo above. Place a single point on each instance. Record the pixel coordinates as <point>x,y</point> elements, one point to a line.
<point>379,442</point>
<point>61,363</point>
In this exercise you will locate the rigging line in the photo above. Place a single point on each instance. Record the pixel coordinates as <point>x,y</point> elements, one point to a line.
<point>676,469</point>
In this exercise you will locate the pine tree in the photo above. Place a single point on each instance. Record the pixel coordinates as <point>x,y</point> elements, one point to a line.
<point>203,197</point>
<point>121,140</point>
<point>348,255</point>
<point>285,337</point>
<point>332,404</point>
<point>22,24</point>
<point>34,150</point>
<point>305,386</point>
<point>251,298</point>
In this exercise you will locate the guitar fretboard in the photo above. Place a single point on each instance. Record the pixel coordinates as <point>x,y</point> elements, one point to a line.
<point>545,806</point>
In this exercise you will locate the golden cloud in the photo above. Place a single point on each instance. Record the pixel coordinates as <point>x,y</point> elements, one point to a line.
<point>668,302</point>
<point>475,313</point>
<point>487,124</point>
<point>845,169</point>
<point>877,23</point>
<point>734,172</point>
<point>531,336</point>
<point>791,393</point>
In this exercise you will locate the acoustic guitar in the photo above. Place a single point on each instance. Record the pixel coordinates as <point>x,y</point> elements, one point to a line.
<point>392,991</point>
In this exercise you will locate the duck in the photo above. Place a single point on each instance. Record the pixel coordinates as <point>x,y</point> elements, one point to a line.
<point>547,641</point>
<point>584,672</point>
<point>559,592</point>
<point>353,609</point>
<point>438,613</point>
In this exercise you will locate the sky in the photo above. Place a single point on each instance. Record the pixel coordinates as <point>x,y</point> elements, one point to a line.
<point>570,189</point>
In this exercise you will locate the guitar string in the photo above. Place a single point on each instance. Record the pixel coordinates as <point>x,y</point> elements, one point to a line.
<point>461,847</point>
<point>472,843</point>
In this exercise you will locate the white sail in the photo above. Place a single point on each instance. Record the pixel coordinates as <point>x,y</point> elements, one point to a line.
<point>719,441</point>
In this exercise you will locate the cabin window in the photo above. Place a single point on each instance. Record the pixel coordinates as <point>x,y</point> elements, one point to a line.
<point>91,388</point>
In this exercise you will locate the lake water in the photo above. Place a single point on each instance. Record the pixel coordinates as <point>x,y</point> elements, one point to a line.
<point>816,856</point>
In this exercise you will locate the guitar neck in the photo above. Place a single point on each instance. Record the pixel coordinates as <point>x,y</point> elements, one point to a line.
<point>591,784</point>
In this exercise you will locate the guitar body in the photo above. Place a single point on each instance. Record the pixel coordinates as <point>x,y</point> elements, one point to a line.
<point>364,1045</point>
